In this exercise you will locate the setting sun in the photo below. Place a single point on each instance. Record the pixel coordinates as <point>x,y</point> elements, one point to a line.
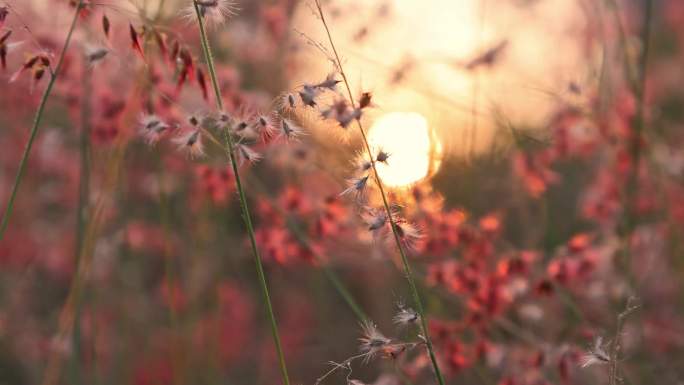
<point>407,138</point>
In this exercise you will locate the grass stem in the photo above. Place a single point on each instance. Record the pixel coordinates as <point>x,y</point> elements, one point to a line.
<point>36,122</point>
<point>404,259</point>
<point>246,217</point>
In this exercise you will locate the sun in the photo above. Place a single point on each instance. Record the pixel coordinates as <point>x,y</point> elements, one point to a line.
<point>413,150</point>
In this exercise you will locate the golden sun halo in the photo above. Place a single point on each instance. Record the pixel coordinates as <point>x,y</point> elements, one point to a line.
<point>414,151</point>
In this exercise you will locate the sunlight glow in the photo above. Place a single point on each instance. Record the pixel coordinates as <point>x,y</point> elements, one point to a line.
<point>410,144</point>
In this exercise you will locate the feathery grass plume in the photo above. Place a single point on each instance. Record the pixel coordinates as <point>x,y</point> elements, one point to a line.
<point>38,117</point>
<point>396,230</point>
<point>289,130</point>
<point>357,186</point>
<point>308,95</point>
<point>361,163</point>
<point>616,346</point>
<point>330,82</point>
<point>376,219</point>
<point>596,355</point>
<point>265,127</point>
<point>95,54</point>
<point>213,12</point>
<point>287,102</point>
<point>382,156</point>
<point>405,316</point>
<point>246,154</point>
<point>409,235</point>
<point>372,341</point>
<point>190,143</point>
<point>152,127</point>
<point>246,216</point>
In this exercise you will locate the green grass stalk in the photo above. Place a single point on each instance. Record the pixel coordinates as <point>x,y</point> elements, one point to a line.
<point>404,259</point>
<point>246,217</point>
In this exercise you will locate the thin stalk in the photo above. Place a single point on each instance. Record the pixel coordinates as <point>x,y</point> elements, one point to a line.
<point>639,119</point>
<point>82,210</point>
<point>616,345</point>
<point>246,217</point>
<point>385,202</point>
<point>36,122</point>
<point>304,240</point>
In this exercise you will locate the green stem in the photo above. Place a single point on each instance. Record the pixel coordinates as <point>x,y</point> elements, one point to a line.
<point>82,211</point>
<point>304,240</point>
<point>640,90</point>
<point>246,217</point>
<point>390,217</point>
<point>36,123</point>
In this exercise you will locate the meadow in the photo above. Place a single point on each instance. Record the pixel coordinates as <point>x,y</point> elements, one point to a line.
<point>321,192</point>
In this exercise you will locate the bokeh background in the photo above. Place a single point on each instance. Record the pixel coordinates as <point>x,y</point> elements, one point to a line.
<point>531,144</point>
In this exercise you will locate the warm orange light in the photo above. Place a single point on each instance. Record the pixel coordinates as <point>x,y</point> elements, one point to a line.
<point>413,149</point>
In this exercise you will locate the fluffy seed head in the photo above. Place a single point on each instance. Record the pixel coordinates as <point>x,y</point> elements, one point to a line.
<point>382,156</point>
<point>308,94</point>
<point>372,340</point>
<point>289,130</point>
<point>152,128</point>
<point>357,186</point>
<point>190,143</point>
<point>409,235</point>
<point>405,315</point>
<point>246,154</point>
<point>330,83</point>
<point>214,12</point>
<point>95,54</point>
<point>596,355</point>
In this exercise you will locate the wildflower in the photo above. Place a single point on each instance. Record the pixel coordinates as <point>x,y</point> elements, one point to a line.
<point>372,340</point>
<point>191,143</point>
<point>596,355</point>
<point>247,154</point>
<point>152,128</point>
<point>356,185</point>
<point>289,130</point>
<point>405,315</point>
<point>215,12</point>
